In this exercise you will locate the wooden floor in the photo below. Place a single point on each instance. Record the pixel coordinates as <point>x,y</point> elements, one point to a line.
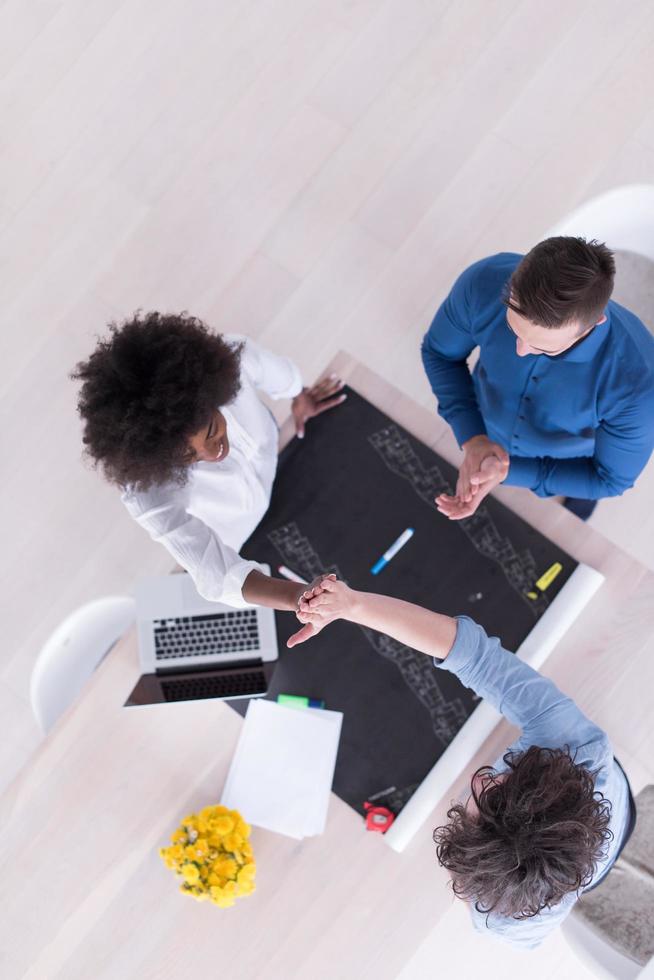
<point>313,173</point>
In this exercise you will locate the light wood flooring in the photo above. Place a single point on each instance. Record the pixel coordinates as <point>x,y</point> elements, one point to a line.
<point>314,173</point>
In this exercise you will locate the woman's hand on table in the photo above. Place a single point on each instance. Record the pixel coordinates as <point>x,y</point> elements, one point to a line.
<point>313,401</point>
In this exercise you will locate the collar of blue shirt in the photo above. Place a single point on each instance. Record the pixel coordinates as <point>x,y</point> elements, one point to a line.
<point>586,349</point>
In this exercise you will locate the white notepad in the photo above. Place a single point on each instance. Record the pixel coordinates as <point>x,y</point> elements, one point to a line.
<point>282,771</point>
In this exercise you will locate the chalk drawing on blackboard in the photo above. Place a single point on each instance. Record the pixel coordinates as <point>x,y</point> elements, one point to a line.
<point>418,672</point>
<point>298,553</point>
<point>398,455</point>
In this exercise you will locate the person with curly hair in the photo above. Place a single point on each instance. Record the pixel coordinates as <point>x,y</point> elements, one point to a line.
<point>172,416</point>
<point>545,822</point>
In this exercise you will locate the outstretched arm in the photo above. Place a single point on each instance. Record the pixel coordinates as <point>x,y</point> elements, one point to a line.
<point>421,629</point>
<point>219,573</point>
<point>526,698</point>
<point>262,590</point>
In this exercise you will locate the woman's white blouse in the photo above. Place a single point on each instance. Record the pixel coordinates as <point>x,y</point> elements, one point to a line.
<point>204,523</point>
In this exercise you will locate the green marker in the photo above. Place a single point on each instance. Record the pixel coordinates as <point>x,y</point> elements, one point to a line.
<point>298,701</point>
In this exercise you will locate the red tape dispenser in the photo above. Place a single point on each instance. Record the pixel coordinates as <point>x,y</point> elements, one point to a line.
<point>378,818</point>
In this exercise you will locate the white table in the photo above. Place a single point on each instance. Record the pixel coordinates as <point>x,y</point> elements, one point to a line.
<point>86,895</point>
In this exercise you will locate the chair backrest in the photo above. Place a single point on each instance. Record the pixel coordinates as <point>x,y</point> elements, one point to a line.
<point>610,927</point>
<point>73,652</point>
<point>600,959</point>
<point>634,285</point>
<point>623,218</point>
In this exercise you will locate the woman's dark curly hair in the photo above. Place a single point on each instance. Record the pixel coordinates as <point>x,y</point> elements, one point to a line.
<point>538,834</point>
<point>148,387</point>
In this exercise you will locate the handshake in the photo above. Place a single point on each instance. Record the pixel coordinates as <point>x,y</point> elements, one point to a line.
<point>325,600</point>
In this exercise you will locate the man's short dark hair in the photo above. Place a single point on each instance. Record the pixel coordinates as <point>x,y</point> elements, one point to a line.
<point>562,280</point>
<point>146,388</point>
<point>538,833</point>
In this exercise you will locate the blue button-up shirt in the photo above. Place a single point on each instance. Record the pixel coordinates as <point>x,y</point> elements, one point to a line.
<point>548,719</point>
<point>580,423</point>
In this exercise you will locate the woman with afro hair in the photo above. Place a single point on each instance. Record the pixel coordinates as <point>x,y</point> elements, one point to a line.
<point>172,417</point>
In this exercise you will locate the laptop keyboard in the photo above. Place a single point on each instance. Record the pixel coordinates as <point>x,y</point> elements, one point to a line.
<point>215,633</point>
<point>229,685</point>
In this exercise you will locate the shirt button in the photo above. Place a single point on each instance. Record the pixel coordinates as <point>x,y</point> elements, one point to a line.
<point>534,378</point>
<point>527,398</point>
<point>521,417</point>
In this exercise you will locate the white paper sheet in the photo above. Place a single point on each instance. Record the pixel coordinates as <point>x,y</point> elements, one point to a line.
<point>282,771</point>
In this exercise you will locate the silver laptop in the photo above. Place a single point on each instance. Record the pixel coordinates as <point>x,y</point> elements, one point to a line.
<point>191,648</point>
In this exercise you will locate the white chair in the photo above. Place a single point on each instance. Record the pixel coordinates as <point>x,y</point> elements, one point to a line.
<point>624,219</point>
<point>611,929</point>
<point>598,957</point>
<point>72,653</point>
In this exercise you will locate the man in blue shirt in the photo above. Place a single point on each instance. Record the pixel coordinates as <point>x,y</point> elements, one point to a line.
<point>562,398</point>
<point>544,822</point>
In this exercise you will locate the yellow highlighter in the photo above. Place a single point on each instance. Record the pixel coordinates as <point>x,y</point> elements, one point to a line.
<point>546,579</point>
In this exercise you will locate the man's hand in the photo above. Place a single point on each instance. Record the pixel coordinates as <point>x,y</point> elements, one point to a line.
<point>312,619</point>
<point>475,451</point>
<point>491,473</point>
<point>313,401</point>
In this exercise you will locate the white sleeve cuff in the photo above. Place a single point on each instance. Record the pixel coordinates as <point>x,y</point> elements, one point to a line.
<point>229,589</point>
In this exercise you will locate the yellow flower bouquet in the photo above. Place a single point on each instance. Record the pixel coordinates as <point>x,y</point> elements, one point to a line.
<point>210,850</point>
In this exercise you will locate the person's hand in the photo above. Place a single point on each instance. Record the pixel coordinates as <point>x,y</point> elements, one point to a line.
<point>313,589</point>
<point>325,600</point>
<point>475,451</point>
<point>331,600</point>
<point>308,630</point>
<point>312,401</point>
<point>491,473</point>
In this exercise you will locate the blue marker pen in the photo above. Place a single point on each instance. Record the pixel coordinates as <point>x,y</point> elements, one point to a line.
<point>392,551</point>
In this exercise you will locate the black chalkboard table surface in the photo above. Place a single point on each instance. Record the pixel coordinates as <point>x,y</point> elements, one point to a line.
<point>341,497</point>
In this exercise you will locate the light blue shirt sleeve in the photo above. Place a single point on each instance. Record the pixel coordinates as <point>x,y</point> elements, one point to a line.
<point>527,699</point>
